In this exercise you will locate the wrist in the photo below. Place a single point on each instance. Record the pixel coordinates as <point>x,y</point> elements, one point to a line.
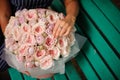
<point>72,18</point>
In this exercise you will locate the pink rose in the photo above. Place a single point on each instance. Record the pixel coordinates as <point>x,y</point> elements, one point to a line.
<point>23,38</point>
<point>62,42</point>
<point>22,19</point>
<point>37,63</point>
<point>31,50</point>
<point>54,52</point>
<point>50,41</point>
<point>39,39</point>
<point>38,29</point>
<point>40,54</point>
<point>9,42</point>
<point>31,15</point>
<point>41,13</point>
<point>71,39</point>
<point>29,58</point>
<point>25,28</point>
<point>14,48</point>
<point>65,51</point>
<point>29,64</point>
<point>14,21</point>
<point>32,23</point>
<point>42,22</point>
<point>49,29</point>
<point>52,18</point>
<point>46,62</point>
<point>8,31</point>
<point>51,26</point>
<point>30,40</point>
<point>20,12</point>
<point>17,13</point>
<point>23,50</point>
<point>16,33</point>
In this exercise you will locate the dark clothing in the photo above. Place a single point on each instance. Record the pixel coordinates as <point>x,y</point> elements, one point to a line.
<point>30,4</point>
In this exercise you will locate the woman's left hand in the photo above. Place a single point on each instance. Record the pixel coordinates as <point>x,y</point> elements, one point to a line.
<point>63,27</point>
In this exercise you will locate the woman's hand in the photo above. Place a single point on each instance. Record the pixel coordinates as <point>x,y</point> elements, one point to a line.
<point>64,27</point>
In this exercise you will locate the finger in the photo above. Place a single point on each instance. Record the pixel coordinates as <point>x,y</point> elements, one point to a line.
<point>57,32</point>
<point>68,31</point>
<point>56,27</point>
<point>59,28</point>
<point>64,29</point>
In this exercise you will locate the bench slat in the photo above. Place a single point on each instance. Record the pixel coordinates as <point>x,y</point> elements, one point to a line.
<point>97,62</point>
<point>110,11</point>
<point>105,27</point>
<point>101,45</point>
<point>71,71</point>
<point>14,74</point>
<point>86,68</point>
<point>60,77</point>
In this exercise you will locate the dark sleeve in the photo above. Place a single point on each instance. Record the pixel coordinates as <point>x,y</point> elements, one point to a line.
<point>30,4</point>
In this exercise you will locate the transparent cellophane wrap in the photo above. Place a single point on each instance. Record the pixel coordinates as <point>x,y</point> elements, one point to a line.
<point>58,67</point>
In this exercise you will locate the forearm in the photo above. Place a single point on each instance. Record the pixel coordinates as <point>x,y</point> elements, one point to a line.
<point>72,7</point>
<point>5,12</point>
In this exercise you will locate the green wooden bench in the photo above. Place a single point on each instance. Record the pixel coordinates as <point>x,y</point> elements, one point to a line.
<point>99,21</point>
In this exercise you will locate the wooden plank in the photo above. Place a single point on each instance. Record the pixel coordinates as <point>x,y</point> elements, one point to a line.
<point>97,62</point>
<point>105,27</point>
<point>60,77</point>
<point>110,11</point>
<point>71,72</point>
<point>105,51</point>
<point>86,68</point>
<point>88,44</point>
<point>14,74</point>
<point>26,77</point>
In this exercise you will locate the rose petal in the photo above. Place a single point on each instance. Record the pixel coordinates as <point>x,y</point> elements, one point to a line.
<point>40,39</point>
<point>40,54</point>
<point>31,15</point>
<point>50,41</point>
<point>16,33</point>
<point>23,50</point>
<point>65,51</point>
<point>25,28</point>
<point>38,29</point>
<point>29,64</point>
<point>46,62</point>
<point>30,40</point>
<point>29,58</point>
<point>62,42</point>
<point>31,50</point>
<point>54,52</point>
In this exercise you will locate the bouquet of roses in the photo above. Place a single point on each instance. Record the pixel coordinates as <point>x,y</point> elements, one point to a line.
<point>29,41</point>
